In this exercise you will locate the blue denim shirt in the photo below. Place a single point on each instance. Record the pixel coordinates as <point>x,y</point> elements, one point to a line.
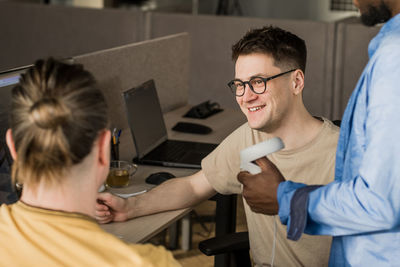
<point>361,208</point>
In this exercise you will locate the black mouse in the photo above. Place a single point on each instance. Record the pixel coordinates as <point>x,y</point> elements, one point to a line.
<point>159,177</point>
<point>194,128</point>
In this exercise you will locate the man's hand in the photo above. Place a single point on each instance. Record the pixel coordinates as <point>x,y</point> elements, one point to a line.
<point>111,208</point>
<point>260,190</point>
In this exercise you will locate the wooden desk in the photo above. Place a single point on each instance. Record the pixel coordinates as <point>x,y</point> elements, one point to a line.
<point>222,123</point>
<point>141,229</point>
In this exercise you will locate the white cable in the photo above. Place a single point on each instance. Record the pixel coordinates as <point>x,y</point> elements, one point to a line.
<point>252,153</point>
<point>273,244</point>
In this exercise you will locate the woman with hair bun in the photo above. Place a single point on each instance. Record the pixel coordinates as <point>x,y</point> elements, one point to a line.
<point>60,145</point>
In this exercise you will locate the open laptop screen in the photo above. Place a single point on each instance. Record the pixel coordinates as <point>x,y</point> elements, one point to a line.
<point>145,117</point>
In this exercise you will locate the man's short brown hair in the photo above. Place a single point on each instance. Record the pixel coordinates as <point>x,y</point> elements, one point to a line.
<point>288,50</point>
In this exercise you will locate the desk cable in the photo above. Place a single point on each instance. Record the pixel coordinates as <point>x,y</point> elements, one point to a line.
<point>252,153</point>
<point>273,243</point>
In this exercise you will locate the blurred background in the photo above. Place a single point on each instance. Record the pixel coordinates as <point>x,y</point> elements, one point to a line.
<point>320,10</point>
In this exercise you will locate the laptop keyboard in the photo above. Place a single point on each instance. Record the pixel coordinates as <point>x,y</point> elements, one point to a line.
<point>174,150</point>
<point>182,153</point>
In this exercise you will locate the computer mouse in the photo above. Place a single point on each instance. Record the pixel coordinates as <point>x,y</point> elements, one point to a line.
<point>189,127</point>
<point>159,177</point>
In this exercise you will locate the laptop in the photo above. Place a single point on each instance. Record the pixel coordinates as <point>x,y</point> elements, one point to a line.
<point>149,133</point>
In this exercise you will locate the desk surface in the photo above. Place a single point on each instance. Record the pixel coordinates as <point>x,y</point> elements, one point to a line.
<point>141,229</point>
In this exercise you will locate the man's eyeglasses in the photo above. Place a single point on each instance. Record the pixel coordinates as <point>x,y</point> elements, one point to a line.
<point>257,84</point>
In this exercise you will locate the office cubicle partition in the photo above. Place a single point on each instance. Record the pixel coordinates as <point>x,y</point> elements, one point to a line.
<point>165,59</point>
<point>32,31</point>
<point>351,56</point>
<point>212,67</point>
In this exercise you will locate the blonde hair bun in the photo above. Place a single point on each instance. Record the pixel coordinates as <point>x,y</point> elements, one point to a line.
<point>48,113</point>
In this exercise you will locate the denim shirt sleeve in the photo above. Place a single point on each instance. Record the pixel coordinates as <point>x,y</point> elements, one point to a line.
<point>297,208</point>
<point>285,193</point>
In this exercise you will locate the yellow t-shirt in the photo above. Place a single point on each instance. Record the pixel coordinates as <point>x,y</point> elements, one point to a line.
<point>32,236</point>
<point>312,164</point>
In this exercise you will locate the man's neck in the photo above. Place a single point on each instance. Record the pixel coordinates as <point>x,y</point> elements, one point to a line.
<point>298,129</point>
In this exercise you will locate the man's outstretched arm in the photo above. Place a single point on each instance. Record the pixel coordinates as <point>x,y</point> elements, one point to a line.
<point>173,194</point>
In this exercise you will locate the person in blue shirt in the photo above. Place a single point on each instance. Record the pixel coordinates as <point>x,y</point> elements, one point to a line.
<point>361,208</point>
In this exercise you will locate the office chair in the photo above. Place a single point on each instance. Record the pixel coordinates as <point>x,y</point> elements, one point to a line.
<point>225,224</point>
<point>234,247</point>
<point>230,248</point>
<point>337,122</point>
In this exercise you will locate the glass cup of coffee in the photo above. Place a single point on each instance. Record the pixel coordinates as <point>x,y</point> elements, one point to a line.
<point>120,174</point>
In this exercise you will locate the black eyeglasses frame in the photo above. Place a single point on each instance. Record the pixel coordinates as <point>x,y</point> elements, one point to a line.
<point>265,80</point>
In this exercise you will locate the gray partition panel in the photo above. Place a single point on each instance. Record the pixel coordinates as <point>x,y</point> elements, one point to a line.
<point>212,67</point>
<point>351,56</point>
<point>32,31</point>
<point>166,60</point>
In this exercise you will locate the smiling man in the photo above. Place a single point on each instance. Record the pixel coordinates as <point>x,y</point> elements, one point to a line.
<point>268,85</point>
<point>361,208</point>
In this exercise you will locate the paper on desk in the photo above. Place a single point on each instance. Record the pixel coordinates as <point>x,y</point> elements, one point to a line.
<point>123,195</point>
<point>130,194</point>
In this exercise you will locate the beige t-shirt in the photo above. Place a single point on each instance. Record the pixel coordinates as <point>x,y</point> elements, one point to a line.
<point>312,164</point>
<point>31,236</point>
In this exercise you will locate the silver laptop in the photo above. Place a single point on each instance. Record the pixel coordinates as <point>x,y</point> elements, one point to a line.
<point>150,134</point>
